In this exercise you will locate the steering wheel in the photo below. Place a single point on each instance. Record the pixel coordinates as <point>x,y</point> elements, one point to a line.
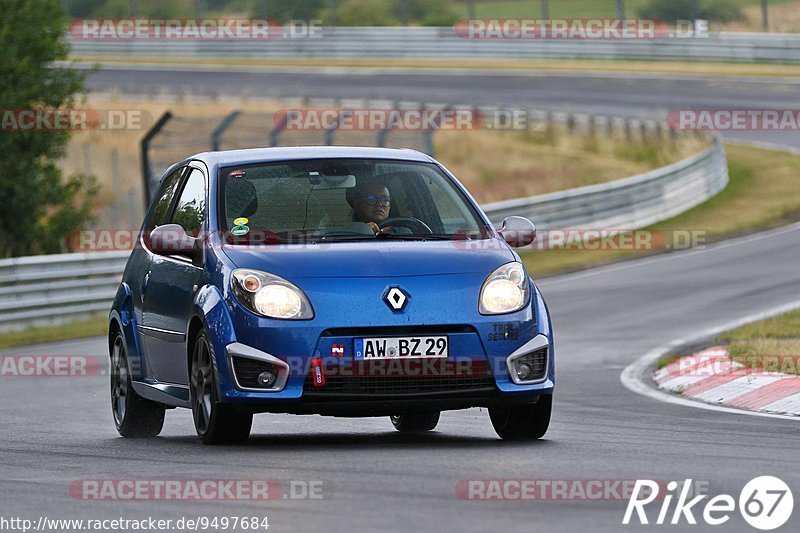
<point>413,223</point>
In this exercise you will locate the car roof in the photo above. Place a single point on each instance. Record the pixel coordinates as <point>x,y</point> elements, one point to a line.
<point>288,153</point>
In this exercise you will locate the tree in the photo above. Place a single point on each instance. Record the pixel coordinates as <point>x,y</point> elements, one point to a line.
<point>39,208</point>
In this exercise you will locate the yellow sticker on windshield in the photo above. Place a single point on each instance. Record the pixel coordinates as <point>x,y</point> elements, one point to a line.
<point>241,221</point>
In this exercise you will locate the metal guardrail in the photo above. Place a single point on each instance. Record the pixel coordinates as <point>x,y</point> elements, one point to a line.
<point>444,43</point>
<point>48,288</point>
<point>53,287</point>
<point>629,203</point>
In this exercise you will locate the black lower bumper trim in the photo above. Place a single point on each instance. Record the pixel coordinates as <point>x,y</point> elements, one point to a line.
<point>366,406</point>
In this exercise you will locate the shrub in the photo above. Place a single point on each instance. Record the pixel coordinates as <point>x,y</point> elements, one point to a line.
<point>672,10</point>
<point>366,13</point>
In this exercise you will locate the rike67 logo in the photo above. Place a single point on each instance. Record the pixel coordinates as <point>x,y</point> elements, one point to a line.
<point>765,503</point>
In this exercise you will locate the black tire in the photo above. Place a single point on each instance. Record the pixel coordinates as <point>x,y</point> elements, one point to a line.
<point>415,422</point>
<point>522,422</point>
<point>215,422</point>
<point>134,416</point>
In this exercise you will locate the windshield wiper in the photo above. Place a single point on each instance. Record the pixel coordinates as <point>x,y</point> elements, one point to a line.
<point>415,236</point>
<point>344,236</point>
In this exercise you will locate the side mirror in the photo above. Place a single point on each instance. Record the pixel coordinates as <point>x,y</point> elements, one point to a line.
<point>518,231</point>
<point>171,239</point>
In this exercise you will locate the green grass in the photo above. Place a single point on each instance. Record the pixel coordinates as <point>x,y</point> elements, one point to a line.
<point>780,327</point>
<point>666,361</point>
<point>528,163</point>
<point>762,193</point>
<point>772,344</point>
<point>565,8</point>
<point>92,327</point>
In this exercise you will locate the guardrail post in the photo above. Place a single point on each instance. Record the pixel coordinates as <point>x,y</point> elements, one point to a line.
<point>329,134</point>
<point>427,135</point>
<point>659,131</point>
<point>117,181</point>
<point>275,134</point>
<point>551,127</point>
<point>381,139</point>
<point>147,172</point>
<point>592,124</point>
<point>219,131</point>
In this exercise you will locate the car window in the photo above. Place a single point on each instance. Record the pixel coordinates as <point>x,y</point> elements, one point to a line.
<point>190,211</point>
<point>159,215</point>
<point>451,211</point>
<point>324,197</point>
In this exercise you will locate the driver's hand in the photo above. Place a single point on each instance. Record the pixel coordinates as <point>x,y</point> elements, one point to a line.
<point>375,228</point>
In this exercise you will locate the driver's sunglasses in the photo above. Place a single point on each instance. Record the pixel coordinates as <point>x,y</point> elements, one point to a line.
<point>384,200</point>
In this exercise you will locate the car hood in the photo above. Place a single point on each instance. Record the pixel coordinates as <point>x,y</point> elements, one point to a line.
<point>373,258</point>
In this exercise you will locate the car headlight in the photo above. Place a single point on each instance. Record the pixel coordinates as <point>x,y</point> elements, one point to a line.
<point>505,290</point>
<point>270,296</point>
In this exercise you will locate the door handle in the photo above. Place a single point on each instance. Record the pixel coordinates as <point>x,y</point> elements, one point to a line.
<point>145,282</point>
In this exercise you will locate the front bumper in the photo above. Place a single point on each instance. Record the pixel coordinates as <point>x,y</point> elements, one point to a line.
<point>486,344</point>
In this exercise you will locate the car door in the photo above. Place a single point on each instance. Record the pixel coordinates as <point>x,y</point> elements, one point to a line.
<point>170,286</point>
<point>158,215</point>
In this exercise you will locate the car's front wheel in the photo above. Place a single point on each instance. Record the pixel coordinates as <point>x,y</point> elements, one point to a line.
<point>134,416</point>
<point>523,422</point>
<point>415,422</point>
<point>215,422</point>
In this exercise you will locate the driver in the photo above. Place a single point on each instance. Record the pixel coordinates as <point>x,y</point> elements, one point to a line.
<point>371,203</point>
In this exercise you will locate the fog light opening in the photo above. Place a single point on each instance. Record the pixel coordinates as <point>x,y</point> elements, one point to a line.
<point>528,368</point>
<point>267,379</point>
<point>524,370</point>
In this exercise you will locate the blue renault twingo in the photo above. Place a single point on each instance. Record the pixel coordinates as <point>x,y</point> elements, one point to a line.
<point>339,281</point>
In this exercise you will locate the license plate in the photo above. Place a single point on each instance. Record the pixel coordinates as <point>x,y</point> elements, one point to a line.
<point>400,347</point>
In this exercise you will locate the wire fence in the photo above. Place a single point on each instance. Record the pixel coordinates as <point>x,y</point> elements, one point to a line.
<point>177,138</point>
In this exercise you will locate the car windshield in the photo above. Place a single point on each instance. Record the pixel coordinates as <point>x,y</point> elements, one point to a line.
<point>344,200</point>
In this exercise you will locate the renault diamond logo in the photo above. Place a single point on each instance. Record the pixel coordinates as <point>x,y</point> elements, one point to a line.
<point>395,298</point>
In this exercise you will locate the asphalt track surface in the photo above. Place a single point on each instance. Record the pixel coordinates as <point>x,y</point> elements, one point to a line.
<point>57,430</point>
<point>632,95</point>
